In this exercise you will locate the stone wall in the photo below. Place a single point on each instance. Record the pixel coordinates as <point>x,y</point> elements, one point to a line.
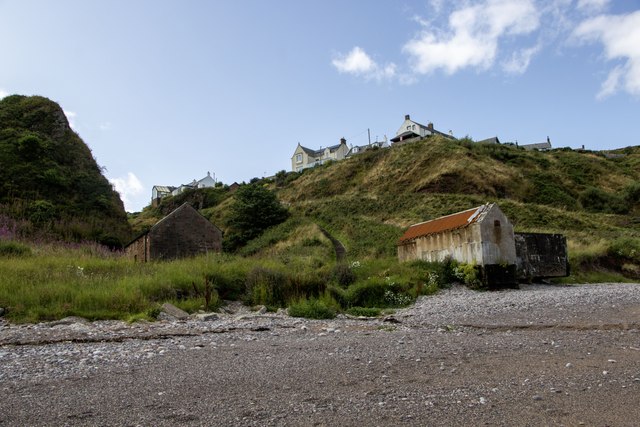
<point>541,255</point>
<point>183,233</point>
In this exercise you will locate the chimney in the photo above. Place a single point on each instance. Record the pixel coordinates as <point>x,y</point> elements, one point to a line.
<point>430,126</point>
<point>407,117</point>
<point>343,141</point>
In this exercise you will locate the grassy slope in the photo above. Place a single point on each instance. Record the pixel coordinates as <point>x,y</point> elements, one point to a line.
<point>368,200</point>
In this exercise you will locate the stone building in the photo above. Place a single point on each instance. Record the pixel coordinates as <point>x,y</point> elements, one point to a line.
<point>481,235</point>
<point>484,236</point>
<point>182,233</point>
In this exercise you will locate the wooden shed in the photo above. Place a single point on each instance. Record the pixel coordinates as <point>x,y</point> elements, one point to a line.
<point>182,233</point>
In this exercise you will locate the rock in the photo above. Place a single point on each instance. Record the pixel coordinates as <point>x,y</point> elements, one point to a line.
<point>2,311</point>
<point>261,309</point>
<point>537,397</point>
<point>174,311</point>
<point>206,317</point>
<point>391,319</point>
<point>70,320</point>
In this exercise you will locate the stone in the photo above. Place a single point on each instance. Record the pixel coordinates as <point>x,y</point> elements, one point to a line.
<point>261,309</point>
<point>70,320</point>
<point>174,311</point>
<point>206,317</point>
<point>2,311</point>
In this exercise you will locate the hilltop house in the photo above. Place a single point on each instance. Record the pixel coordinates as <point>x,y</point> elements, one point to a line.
<point>541,146</point>
<point>484,236</point>
<point>160,191</point>
<point>304,157</point>
<point>182,233</point>
<point>357,149</point>
<point>413,131</point>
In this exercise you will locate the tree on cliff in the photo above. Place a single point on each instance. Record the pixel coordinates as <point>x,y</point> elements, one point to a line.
<point>254,209</point>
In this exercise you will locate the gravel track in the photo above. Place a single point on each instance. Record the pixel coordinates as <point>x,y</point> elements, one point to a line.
<point>541,355</point>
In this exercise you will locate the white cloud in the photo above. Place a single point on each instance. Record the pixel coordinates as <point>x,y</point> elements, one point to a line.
<point>71,116</point>
<point>620,36</point>
<point>359,63</point>
<point>592,6</point>
<point>3,93</point>
<point>128,187</point>
<point>519,61</point>
<point>472,37</point>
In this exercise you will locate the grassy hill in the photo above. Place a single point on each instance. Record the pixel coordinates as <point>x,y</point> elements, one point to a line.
<point>367,201</point>
<point>50,185</point>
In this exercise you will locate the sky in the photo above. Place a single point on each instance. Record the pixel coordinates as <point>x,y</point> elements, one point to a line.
<point>164,91</point>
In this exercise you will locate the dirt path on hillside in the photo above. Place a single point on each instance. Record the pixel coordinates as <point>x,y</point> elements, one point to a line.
<point>539,356</point>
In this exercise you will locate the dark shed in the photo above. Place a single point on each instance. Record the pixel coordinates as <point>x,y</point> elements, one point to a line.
<point>182,233</point>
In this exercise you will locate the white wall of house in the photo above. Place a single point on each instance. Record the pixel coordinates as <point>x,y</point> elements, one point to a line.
<point>410,126</point>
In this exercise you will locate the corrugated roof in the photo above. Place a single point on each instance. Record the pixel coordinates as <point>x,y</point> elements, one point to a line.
<point>445,223</point>
<point>164,188</point>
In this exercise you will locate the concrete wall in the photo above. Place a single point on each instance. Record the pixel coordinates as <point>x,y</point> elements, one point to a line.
<point>497,239</point>
<point>541,255</point>
<point>487,241</point>
<point>463,245</point>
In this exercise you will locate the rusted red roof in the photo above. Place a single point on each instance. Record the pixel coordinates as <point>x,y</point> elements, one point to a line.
<point>445,223</point>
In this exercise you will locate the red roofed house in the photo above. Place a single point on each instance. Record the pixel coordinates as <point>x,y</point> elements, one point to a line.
<point>482,236</point>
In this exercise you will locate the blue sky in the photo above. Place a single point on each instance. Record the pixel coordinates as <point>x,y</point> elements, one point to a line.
<point>164,91</point>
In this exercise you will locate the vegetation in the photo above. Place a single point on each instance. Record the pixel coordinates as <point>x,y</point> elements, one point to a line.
<point>254,209</point>
<point>50,184</point>
<point>283,257</point>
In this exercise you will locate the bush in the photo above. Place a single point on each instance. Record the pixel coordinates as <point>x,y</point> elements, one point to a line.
<point>597,200</point>
<point>253,211</point>
<point>10,248</point>
<point>343,275</point>
<point>468,274</point>
<point>626,248</point>
<point>312,308</point>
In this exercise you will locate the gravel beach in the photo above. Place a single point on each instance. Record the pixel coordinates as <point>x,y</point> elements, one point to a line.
<point>540,355</point>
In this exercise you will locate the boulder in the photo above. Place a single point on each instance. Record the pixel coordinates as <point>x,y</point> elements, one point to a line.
<point>174,311</point>
<point>206,317</point>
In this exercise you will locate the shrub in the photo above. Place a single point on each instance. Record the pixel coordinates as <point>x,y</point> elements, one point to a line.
<point>469,274</point>
<point>253,211</point>
<point>597,200</point>
<point>626,248</point>
<point>312,308</point>
<point>267,287</point>
<point>10,248</point>
<point>344,275</point>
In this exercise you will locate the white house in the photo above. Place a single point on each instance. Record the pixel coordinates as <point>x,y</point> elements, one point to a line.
<point>304,157</point>
<point>357,149</point>
<point>413,131</point>
<point>160,191</point>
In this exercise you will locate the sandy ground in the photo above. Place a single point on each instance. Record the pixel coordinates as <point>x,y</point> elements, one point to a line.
<point>542,355</point>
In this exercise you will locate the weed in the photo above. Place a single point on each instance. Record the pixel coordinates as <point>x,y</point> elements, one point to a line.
<point>311,308</point>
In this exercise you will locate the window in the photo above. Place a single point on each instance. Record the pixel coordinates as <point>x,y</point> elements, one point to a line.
<point>298,158</point>
<point>409,127</point>
<point>496,223</point>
